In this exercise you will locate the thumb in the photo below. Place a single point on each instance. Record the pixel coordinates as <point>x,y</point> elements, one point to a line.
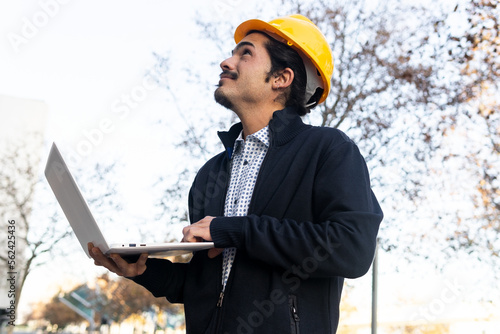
<point>213,252</point>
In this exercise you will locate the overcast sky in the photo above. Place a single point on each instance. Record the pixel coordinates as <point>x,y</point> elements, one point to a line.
<point>87,61</point>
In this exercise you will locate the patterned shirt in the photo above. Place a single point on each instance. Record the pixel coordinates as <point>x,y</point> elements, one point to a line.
<point>245,165</point>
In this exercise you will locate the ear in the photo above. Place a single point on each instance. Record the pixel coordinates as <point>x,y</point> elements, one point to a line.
<point>283,79</point>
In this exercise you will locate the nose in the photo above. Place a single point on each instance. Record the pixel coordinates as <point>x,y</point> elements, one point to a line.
<point>227,64</point>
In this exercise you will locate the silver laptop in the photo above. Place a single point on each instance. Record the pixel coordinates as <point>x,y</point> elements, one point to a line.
<point>84,225</point>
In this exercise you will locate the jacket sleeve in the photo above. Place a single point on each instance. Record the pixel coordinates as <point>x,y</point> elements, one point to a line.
<point>164,279</point>
<point>339,240</point>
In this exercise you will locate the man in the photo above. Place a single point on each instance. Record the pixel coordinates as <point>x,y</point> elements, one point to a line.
<point>288,206</point>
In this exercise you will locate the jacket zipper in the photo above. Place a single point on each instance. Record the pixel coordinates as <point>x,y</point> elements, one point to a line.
<point>218,312</point>
<point>294,324</point>
<point>221,298</point>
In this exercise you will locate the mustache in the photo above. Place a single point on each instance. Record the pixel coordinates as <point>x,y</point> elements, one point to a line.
<point>228,74</point>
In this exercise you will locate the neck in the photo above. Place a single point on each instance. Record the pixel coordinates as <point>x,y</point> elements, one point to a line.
<point>255,118</point>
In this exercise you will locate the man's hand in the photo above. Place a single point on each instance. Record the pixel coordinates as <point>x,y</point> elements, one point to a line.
<point>116,264</point>
<point>200,231</point>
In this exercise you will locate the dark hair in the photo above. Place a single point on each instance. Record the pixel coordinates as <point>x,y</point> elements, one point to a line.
<point>283,56</point>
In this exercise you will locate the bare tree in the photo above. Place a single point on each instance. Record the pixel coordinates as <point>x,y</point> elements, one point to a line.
<point>121,298</point>
<point>476,48</point>
<point>19,179</point>
<point>36,236</point>
<point>402,89</point>
<point>111,299</point>
<point>56,313</point>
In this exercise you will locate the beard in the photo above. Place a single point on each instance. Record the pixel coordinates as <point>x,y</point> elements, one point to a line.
<point>222,99</point>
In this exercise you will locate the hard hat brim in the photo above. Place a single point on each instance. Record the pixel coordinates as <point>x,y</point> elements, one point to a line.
<point>255,24</point>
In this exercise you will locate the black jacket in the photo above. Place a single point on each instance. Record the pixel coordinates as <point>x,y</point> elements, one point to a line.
<point>313,220</point>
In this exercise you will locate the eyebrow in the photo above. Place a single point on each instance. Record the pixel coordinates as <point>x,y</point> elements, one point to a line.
<point>242,44</point>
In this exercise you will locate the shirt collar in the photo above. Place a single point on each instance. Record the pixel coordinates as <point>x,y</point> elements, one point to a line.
<point>262,135</point>
<point>283,127</point>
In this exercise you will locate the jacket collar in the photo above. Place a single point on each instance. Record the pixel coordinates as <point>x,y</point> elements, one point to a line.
<point>284,126</point>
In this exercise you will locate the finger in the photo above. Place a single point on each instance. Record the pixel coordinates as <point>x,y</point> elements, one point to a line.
<point>185,232</point>
<point>130,269</point>
<point>110,265</point>
<point>196,233</point>
<point>96,254</point>
<point>141,264</point>
<point>189,234</point>
<point>89,248</point>
<point>123,266</point>
<point>192,239</point>
<point>213,252</point>
<point>142,259</point>
<point>102,260</point>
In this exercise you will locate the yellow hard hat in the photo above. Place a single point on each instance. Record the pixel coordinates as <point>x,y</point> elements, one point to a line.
<point>304,36</point>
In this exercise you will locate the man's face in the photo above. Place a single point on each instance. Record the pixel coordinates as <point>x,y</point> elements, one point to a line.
<point>243,80</point>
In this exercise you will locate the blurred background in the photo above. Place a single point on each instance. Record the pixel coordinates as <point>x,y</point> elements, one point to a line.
<point>125,89</point>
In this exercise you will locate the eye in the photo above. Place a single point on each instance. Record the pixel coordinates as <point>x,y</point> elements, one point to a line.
<point>246,51</point>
